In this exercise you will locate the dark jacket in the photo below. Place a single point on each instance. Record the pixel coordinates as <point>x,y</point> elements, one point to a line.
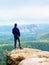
<point>16,31</point>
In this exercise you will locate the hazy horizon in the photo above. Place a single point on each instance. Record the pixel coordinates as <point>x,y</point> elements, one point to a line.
<point>24,12</point>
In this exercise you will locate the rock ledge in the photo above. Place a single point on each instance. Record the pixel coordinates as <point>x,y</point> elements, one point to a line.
<point>28,56</point>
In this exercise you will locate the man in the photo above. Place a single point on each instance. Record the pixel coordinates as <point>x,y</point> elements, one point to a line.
<point>16,34</point>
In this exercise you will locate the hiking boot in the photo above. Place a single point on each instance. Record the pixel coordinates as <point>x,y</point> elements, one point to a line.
<point>21,48</point>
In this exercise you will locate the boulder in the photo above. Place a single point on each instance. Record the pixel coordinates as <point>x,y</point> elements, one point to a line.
<point>28,56</point>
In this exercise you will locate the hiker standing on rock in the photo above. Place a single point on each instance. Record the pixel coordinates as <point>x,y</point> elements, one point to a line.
<point>16,33</point>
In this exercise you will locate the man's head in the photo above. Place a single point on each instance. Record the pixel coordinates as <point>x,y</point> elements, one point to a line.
<point>15,25</point>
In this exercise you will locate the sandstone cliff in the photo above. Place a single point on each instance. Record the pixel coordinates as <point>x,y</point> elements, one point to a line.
<point>28,56</point>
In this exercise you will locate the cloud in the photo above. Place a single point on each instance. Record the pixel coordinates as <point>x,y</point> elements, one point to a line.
<point>30,13</point>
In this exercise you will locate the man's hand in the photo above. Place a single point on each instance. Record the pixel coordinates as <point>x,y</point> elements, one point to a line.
<point>18,36</point>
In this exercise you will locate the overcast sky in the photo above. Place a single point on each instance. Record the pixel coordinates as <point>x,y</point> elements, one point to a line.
<point>24,12</point>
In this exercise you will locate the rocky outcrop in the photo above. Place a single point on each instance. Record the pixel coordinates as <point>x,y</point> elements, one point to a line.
<point>28,56</point>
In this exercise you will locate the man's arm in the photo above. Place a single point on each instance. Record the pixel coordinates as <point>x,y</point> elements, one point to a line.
<point>19,32</point>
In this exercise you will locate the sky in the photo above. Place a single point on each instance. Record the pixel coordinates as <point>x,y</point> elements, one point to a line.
<point>24,12</point>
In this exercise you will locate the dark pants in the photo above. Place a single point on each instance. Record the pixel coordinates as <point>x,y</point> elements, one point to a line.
<point>15,41</point>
